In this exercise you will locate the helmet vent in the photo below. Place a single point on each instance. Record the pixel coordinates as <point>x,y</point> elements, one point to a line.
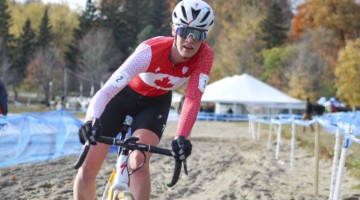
<point>184,12</point>
<point>195,13</point>
<point>211,23</point>
<point>184,22</point>
<point>205,17</point>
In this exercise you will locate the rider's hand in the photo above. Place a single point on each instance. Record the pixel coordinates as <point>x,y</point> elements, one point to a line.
<point>181,147</point>
<point>89,131</point>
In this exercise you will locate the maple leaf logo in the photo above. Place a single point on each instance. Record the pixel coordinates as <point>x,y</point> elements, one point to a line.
<point>164,83</point>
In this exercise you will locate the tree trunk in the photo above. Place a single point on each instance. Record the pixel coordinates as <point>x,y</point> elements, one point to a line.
<point>15,94</point>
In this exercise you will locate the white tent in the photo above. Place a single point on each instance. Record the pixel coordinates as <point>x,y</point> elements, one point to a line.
<point>249,91</point>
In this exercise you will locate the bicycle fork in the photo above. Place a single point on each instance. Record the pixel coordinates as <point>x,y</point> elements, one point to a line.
<point>121,179</point>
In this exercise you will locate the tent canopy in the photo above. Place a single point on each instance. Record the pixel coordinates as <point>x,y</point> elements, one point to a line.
<point>245,89</point>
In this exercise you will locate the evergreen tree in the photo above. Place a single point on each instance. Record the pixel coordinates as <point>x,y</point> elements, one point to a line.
<point>45,35</point>
<point>159,17</point>
<point>111,16</point>
<point>24,50</point>
<point>273,27</point>
<point>134,15</point>
<point>148,32</point>
<point>156,23</point>
<point>126,18</point>
<point>5,37</point>
<point>87,20</point>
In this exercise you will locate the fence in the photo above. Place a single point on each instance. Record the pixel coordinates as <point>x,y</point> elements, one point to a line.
<point>344,126</point>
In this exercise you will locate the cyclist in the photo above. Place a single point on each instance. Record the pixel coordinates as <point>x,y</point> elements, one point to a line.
<point>141,87</point>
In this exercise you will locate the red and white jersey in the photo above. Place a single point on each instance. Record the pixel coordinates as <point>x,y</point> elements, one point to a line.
<point>149,72</point>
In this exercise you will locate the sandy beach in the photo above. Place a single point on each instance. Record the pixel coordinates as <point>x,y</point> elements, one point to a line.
<point>225,164</point>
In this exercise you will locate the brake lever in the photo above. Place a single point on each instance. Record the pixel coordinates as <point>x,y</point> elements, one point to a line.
<point>181,145</point>
<point>185,167</point>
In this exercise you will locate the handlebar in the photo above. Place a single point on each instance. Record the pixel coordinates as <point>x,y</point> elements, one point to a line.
<point>131,144</point>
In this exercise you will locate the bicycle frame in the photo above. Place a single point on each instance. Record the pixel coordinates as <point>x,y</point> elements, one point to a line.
<point>119,179</point>
<point>125,144</point>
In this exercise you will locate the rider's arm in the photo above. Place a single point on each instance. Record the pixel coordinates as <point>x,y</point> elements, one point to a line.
<point>138,62</point>
<point>195,88</point>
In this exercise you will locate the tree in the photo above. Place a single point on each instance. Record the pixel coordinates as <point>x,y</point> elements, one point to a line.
<point>305,67</point>
<point>45,36</point>
<point>23,54</point>
<point>24,49</point>
<point>340,16</point>
<point>43,70</point>
<point>233,39</point>
<point>128,18</point>
<point>88,19</point>
<point>159,17</point>
<point>347,73</point>
<point>276,61</point>
<point>273,27</point>
<point>63,21</point>
<point>98,52</point>
<point>5,38</point>
<point>148,32</point>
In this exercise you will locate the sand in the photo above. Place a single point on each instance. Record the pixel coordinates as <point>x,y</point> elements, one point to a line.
<point>225,164</point>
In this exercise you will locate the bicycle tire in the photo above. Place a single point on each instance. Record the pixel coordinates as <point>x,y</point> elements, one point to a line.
<point>111,194</point>
<point>123,195</point>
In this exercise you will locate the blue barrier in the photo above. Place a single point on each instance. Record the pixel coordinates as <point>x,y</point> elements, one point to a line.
<point>34,137</point>
<point>208,116</point>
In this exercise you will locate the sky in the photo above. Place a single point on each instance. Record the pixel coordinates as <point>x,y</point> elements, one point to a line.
<point>73,4</point>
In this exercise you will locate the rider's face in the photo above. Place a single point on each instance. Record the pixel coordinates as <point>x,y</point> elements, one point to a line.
<point>187,47</point>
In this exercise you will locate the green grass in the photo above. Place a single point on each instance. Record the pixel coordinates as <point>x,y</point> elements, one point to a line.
<point>19,109</point>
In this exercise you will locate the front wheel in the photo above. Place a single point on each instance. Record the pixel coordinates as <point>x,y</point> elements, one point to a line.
<point>111,194</point>
<point>115,194</point>
<point>122,195</point>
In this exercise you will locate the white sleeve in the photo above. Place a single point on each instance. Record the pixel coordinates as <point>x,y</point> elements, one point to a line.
<point>138,62</point>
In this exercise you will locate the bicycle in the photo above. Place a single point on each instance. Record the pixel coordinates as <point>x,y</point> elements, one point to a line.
<point>117,187</point>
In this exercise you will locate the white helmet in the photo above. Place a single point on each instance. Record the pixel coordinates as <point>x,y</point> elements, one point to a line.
<point>193,13</point>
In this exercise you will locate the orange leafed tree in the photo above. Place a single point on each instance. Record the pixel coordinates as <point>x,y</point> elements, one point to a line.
<point>340,16</point>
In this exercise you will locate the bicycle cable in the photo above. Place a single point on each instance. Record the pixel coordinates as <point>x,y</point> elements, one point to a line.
<point>137,168</point>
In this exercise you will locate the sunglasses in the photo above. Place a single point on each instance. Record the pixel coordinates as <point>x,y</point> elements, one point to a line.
<point>185,32</point>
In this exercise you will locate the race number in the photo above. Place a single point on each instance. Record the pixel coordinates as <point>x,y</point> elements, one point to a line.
<point>203,81</point>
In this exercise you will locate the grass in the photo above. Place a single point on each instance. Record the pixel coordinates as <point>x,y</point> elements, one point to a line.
<point>306,140</point>
<point>18,109</point>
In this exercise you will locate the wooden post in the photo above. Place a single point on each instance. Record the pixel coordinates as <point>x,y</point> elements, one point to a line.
<point>278,141</point>
<point>292,154</point>
<point>316,155</point>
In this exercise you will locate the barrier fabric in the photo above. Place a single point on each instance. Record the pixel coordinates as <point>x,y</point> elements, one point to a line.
<point>35,137</point>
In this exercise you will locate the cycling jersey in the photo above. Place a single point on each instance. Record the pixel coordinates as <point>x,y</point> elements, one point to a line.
<point>149,72</point>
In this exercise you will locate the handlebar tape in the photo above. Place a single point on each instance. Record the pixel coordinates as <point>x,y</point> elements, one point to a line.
<point>176,173</point>
<point>82,156</point>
